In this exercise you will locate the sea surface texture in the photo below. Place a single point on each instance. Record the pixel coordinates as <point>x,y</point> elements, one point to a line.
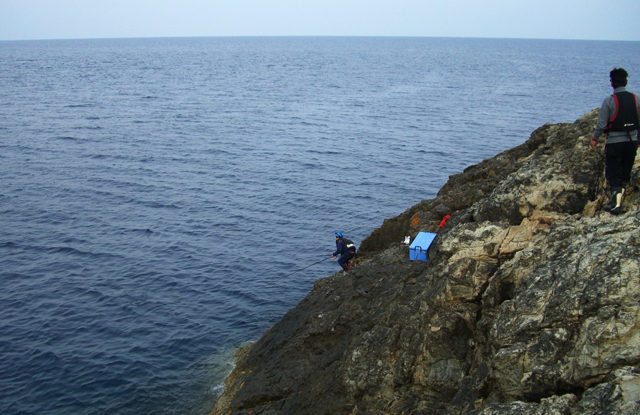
<point>157,196</point>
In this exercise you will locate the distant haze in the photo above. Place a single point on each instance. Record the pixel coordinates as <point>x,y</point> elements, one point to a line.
<point>541,19</point>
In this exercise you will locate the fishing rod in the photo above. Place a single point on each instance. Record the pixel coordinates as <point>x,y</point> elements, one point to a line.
<point>301,269</point>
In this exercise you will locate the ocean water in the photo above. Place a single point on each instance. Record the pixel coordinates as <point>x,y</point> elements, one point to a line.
<point>158,195</point>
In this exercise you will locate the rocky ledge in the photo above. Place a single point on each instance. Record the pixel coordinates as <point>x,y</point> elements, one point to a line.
<point>529,302</point>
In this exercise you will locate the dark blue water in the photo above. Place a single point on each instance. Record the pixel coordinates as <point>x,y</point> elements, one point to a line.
<point>156,194</point>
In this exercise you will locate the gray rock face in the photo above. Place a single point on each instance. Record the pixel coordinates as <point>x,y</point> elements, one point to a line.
<point>529,303</point>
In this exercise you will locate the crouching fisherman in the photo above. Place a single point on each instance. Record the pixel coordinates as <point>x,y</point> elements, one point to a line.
<point>345,248</point>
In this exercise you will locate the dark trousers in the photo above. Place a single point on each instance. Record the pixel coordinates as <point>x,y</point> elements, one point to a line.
<point>346,258</point>
<point>619,158</point>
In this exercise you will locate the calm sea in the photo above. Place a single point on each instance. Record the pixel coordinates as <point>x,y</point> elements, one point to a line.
<point>156,194</point>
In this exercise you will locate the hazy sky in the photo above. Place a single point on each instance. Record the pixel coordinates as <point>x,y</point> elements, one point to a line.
<point>547,19</point>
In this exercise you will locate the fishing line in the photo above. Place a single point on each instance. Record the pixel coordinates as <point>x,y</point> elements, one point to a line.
<point>301,269</point>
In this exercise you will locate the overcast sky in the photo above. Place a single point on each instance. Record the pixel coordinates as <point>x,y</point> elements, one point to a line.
<point>544,19</point>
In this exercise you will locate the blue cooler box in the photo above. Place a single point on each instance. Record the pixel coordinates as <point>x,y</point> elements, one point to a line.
<point>419,247</point>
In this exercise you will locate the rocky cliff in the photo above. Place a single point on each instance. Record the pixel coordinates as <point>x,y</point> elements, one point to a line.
<point>529,302</point>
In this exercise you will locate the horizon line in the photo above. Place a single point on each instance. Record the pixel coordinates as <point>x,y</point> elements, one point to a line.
<point>309,36</point>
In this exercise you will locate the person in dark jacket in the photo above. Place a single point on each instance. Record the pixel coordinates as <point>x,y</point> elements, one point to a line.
<point>345,248</point>
<point>619,121</point>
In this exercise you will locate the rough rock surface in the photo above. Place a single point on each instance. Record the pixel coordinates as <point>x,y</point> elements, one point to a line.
<point>529,302</point>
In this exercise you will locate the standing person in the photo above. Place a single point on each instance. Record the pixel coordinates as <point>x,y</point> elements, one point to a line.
<point>619,121</point>
<point>345,248</point>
